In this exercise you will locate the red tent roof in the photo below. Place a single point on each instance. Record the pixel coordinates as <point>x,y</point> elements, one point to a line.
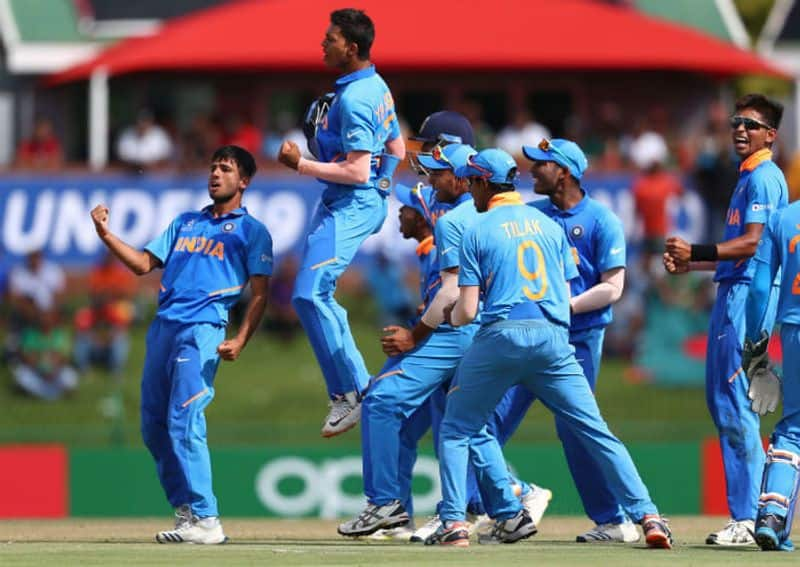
<point>427,35</point>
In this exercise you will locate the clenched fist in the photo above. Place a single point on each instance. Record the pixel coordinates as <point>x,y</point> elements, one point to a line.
<point>100,219</point>
<point>289,154</point>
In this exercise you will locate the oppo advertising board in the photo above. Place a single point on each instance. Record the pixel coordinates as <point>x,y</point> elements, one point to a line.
<point>52,213</point>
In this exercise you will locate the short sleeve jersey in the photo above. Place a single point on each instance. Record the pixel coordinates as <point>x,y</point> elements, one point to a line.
<point>780,248</point>
<point>361,118</point>
<point>597,240</point>
<point>761,191</point>
<point>516,254</point>
<point>207,263</point>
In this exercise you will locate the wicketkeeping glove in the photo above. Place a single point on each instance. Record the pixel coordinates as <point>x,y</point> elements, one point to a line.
<point>754,355</point>
<point>764,391</point>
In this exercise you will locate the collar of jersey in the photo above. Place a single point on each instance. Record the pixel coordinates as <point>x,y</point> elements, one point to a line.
<point>505,198</point>
<point>755,159</point>
<point>234,213</point>
<point>355,75</point>
<point>425,246</point>
<point>579,206</point>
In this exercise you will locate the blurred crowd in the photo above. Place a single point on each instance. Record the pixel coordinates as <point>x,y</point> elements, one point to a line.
<point>49,343</point>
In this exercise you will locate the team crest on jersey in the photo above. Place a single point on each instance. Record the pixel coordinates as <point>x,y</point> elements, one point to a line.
<point>188,225</point>
<point>576,231</point>
<point>228,226</point>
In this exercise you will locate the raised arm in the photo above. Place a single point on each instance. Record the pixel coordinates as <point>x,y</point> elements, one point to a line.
<point>140,262</point>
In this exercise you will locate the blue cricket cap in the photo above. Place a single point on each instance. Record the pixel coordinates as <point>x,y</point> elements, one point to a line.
<point>563,152</point>
<point>415,197</point>
<point>451,156</point>
<point>439,125</point>
<point>492,164</point>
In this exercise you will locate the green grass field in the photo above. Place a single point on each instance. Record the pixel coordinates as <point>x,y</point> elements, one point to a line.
<point>306,542</point>
<point>274,394</point>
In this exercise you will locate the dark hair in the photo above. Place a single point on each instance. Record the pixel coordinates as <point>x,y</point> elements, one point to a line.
<point>770,110</point>
<point>356,28</point>
<point>501,187</point>
<point>243,159</point>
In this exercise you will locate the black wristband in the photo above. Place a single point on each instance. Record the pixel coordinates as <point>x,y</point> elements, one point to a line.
<point>703,253</point>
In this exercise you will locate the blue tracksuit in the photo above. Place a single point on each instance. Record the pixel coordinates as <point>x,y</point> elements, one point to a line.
<point>597,239</point>
<point>761,190</point>
<point>521,261</point>
<point>408,381</point>
<point>361,119</point>
<point>207,262</point>
<point>779,252</point>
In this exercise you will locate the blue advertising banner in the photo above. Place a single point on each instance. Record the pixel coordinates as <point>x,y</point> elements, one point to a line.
<point>52,212</point>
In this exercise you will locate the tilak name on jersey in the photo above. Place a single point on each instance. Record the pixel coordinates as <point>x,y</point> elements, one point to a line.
<point>515,229</point>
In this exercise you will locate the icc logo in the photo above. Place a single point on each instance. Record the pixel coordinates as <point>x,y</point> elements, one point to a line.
<point>228,226</point>
<point>577,231</point>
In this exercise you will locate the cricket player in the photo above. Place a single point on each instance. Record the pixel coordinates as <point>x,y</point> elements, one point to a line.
<point>597,241</point>
<point>208,258</point>
<point>776,256</point>
<point>356,139</point>
<point>760,192</point>
<point>519,261</point>
<point>420,361</point>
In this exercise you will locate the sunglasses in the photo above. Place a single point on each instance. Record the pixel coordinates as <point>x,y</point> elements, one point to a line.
<point>546,146</point>
<point>749,123</point>
<point>435,152</point>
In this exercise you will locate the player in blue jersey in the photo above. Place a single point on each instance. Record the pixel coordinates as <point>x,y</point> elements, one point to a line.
<point>420,361</point>
<point>776,255</point>
<point>597,241</point>
<point>208,258</point>
<point>520,261</point>
<point>761,190</point>
<point>356,140</point>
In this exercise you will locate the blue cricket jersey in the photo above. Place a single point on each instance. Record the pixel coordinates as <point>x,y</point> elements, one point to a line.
<point>207,263</point>
<point>517,255</point>
<point>429,278</point>
<point>779,249</point>
<point>597,239</point>
<point>760,191</point>
<point>361,118</point>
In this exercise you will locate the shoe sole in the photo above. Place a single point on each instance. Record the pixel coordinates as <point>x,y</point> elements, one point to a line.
<point>659,541</point>
<point>167,541</point>
<point>514,537</point>
<point>370,531</point>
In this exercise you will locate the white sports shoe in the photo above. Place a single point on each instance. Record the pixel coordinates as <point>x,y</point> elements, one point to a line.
<point>206,531</point>
<point>344,414</point>
<point>733,534</point>
<point>536,502</point>
<point>400,533</point>
<point>183,516</point>
<point>427,529</point>
<point>625,532</point>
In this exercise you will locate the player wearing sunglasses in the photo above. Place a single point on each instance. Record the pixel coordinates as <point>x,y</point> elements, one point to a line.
<point>760,191</point>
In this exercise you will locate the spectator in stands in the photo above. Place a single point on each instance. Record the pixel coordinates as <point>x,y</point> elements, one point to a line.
<point>38,280</point>
<point>199,142</point>
<point>43,370</point>
<point>522,129</point>
<point>42,151</point>
<point>145,145</point>
<point>653,189</point>
<point>484,135</point>
<point>237,131</point>
<point>102,326</point>
<point>281,318</point>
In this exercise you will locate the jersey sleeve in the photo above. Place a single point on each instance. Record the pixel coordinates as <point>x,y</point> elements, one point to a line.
<point>358,127</point>
<point>259,252</point>
<point>763,192</point>
<point>610,252</point>
<point>469,274</point>
<point>162,245</point>
<point>448,242</point>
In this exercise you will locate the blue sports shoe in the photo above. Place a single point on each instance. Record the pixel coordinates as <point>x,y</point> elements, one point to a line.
<point>769,533</point>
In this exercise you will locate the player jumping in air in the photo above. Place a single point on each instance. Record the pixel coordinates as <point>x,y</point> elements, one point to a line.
<point>357,144</point>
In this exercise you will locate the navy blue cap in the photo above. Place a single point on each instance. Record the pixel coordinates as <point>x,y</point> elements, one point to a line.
<point>447,123</point>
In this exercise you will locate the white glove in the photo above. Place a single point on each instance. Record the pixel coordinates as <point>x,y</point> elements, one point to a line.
<point>764,391</point>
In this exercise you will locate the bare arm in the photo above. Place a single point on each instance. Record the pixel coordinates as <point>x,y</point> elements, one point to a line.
<point>259,288</point>
<point>604,293</point>
<point>355,169</point>
<point>396,147</point>
<point>138,261</point>
<point>466,308</point>
<point>743,246</point>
